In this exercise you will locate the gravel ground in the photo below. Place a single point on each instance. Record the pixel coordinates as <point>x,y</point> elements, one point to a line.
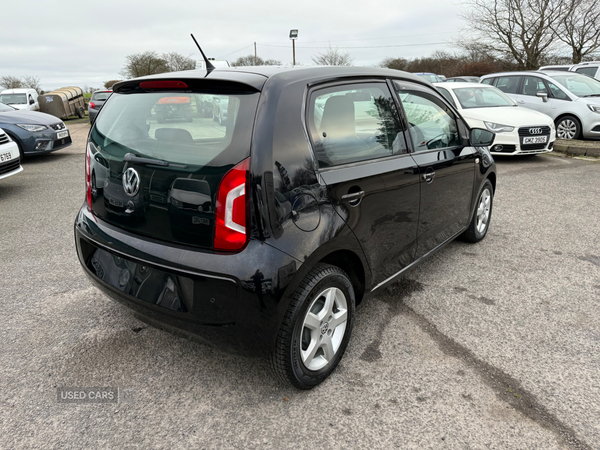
<point>494,345</point>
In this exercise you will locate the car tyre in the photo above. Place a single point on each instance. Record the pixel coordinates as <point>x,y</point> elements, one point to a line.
<point>568,127</point>
<point>316,328</point>
<point>21,152</point>
<point>480,223</point>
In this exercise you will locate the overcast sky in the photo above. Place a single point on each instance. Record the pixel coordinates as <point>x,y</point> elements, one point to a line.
<point>82,43</point>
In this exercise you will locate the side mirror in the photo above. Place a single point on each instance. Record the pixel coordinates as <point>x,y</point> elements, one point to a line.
<point>543,96</point>
<point>31,101</point>
<point>481,138</point>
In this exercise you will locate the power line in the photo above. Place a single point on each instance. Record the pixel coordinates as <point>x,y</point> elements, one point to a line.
<point>371,46</point>
<point>235,51</point>
<point>377,38</point>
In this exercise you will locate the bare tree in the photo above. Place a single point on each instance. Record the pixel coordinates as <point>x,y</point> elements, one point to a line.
<point>333,57</point>
<point>250,61</point>
<point>110,83</point>
<point>32,82</point>
<point>520,29</point>
<point>141,64</point>
<point>579,27</point>
<point>10,82</point>
<point>395,63</point>
<point>177,62</point>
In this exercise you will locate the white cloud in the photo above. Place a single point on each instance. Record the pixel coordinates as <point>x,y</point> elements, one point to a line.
<point>85,43</point>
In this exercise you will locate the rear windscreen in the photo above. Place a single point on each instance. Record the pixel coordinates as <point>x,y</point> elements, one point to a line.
<point>184,128</point>
<point>101,96</point>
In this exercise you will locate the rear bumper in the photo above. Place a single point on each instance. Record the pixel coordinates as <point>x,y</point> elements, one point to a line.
<point>190,292</point>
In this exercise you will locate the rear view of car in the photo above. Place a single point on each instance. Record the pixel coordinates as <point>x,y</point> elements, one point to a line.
<point>248,235</point>
<point>10,161</point>
<point>96,102</point>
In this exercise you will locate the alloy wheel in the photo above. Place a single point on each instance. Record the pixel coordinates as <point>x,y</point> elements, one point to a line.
<point>566,129</point>
<point>323,328</point>
<point>483,210</point>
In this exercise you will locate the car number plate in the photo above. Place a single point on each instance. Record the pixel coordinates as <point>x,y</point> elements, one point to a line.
<point>535,140</point>
<point>62,134</point>
<point>7,156</point>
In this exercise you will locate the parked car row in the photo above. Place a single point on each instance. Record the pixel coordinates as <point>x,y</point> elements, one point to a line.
<point>569,95</point>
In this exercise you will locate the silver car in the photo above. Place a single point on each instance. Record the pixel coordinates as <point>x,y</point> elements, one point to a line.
<point>572,100</point>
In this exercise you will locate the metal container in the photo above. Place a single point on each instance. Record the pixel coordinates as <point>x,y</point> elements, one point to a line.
<point>63,102</point>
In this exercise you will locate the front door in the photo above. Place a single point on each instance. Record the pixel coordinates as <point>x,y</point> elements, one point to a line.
<point>446,166</point>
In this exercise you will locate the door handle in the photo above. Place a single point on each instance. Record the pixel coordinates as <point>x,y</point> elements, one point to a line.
<point>521,101</point>
<point>428,176</point>
<point>353,198</point>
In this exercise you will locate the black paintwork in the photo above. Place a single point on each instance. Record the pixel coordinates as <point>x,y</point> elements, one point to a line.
<point>298,217</point>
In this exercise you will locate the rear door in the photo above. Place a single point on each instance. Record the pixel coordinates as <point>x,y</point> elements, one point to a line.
<point>371,179</point>
<point>508,84</point>
<point>445,165</point>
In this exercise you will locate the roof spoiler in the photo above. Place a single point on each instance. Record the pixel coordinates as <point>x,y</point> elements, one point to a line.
<point>209,66</point>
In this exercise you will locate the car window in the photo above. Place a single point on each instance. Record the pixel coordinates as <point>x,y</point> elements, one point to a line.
<point>482,97</point>
<point>590,71</point>
<point>100,96</point>
<point>508,85</point>
<point>431,123</point>
<point>355,122</point>
<point>447,95</point>
<point>580,85</point>
<point>557,92</point>
<point>488,81</point>
<point>533,85</point>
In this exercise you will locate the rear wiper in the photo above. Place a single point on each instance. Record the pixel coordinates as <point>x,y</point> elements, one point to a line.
<point>130,157</point>
<point>592,95</point>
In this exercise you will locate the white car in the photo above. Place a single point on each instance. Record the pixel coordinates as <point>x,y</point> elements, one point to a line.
<point>26,99</point>
<point>10,160</point>
<point>518,130</point>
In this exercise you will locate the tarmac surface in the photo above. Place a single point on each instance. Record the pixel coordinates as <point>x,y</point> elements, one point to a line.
<point>488,346</point>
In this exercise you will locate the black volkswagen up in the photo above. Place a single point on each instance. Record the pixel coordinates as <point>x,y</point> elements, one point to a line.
<point>262,233</point>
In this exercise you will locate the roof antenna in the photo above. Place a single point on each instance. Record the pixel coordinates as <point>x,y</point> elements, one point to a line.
<point>209,66</point>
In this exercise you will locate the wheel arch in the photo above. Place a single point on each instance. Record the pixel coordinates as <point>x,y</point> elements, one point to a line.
<point>570,114</point>
<point>350,263</point>
<point>492,178</point>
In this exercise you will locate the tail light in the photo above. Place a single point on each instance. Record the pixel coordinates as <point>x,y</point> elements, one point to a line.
<point>92,105</point>
<point>88,178</point>
<point>231,231</point>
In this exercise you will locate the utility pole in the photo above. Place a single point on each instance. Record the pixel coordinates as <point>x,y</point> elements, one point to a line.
<point>255,53</point>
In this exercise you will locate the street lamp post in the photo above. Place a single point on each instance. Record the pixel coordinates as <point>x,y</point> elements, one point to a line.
<point>293,37</point>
